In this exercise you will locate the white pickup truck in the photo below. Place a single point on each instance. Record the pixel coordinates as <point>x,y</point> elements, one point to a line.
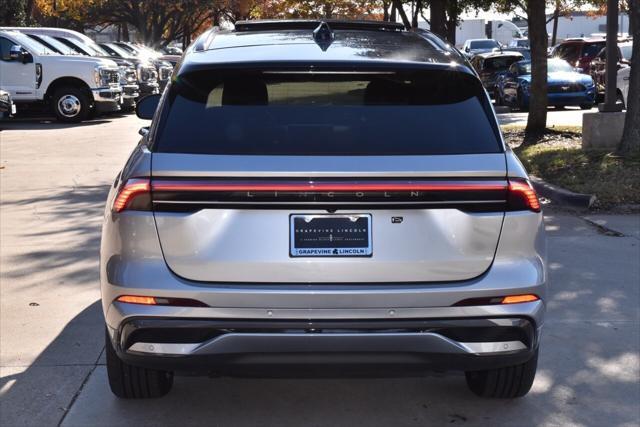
<point>74,88</point>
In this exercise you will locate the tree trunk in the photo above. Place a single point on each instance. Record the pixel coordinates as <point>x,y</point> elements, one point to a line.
<point>416,13</point>
<point>403,14</point>
<point>556,16</point>
<point>393,17</point>
<point>125,32</point>
<point>385,8</point>
<point>452,21</point>
<point>438,18</point>
<point>537,120</point>
<point>631,135</point>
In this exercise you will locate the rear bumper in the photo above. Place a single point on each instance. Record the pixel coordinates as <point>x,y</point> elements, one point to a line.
<point>274,347</point>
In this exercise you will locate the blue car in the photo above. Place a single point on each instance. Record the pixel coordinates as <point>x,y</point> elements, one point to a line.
<point>565,86</point>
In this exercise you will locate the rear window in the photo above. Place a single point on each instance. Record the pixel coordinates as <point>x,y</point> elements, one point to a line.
<point>592,49</point>
<point>333,113</point>
<point>501,63</point>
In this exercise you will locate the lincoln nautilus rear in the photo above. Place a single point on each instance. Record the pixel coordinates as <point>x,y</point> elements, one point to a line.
<point>322,198</point>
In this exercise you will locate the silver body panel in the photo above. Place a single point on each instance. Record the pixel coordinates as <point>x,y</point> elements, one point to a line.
<point>433,260</point>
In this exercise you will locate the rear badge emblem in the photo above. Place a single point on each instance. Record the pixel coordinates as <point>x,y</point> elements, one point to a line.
<point>396,219</point>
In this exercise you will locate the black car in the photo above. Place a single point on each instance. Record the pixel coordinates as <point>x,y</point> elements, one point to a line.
<point>7,107</point>
<point>490,65</point>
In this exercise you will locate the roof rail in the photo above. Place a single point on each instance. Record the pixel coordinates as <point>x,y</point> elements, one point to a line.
<point>203,41</point>
<point>312,24</point>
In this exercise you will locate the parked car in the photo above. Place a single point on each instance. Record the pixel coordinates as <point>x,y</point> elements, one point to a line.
<point>72,87</point>
<point>7,107</point>
<point>294,228</point>
<point>146,71</point>
<point>519,43</point>
<point>490,65</point>
<point>524,51</point>
<point>69,42</point>
<point>566,87</point>
<point>579,52</point>
<point>163,67</point>
<point>599,64</point>
<point>622,83</point>
<point>473,47</point>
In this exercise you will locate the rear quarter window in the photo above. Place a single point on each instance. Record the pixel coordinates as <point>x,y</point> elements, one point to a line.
<point>332,113</point>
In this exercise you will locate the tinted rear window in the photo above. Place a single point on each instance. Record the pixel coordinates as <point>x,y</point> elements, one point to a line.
<point>285,113</point>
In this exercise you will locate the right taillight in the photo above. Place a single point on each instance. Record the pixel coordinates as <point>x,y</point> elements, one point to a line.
<point>134,195</point>
<point>521,196</point>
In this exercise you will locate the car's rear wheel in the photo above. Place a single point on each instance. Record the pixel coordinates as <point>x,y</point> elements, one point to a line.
<point>133,382</point>
<point>505,383</point>
<point>71,104</point>
<point>586,106</point>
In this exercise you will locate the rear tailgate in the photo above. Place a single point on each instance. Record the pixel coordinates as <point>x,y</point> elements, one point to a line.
<point>249,166</point>
<point>243,235</point>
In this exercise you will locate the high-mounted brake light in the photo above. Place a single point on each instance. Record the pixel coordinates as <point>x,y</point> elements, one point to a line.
<point>522,196</point>
<point>134,195</point>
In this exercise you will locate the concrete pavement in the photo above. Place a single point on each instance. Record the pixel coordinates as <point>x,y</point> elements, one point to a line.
<point>570,116</point>
<point>53,182</point>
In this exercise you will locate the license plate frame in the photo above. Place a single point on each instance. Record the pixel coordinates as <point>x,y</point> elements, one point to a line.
<point>338,248</point>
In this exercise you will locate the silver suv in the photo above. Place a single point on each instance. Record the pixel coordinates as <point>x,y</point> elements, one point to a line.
<point>334,195</point>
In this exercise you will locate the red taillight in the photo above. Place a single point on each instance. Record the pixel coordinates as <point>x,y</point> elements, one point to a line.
<point>522,196</point>
<point>130,195</point>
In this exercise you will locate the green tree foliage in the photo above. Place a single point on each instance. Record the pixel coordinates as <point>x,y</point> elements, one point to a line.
<point>13,12</point>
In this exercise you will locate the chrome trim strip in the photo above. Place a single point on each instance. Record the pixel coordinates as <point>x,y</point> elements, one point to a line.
<point>425,342</point>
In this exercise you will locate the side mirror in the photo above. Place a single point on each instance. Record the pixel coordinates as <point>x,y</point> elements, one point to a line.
<point>466,49</point>
<point>143,131</point>
<point>15,52</point>
<point>147,106</point>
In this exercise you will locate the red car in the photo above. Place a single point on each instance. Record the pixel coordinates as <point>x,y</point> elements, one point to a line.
<point>579,52</point>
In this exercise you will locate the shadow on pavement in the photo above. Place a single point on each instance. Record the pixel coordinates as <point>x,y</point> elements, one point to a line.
<point>64,240</point>
<point>588,372</point>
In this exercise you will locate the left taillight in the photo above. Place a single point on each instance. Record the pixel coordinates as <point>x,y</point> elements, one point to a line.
<point>135,195</point>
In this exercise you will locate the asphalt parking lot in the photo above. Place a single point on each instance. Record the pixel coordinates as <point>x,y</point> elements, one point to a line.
<point>53,183</point>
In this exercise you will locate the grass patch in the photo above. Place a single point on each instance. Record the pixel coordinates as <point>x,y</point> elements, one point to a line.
<point>559,159</point>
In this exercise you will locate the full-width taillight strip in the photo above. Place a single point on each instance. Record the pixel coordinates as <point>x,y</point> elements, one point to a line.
<point>312,186</point>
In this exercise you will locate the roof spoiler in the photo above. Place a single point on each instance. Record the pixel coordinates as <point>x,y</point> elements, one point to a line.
<point>312,24</point>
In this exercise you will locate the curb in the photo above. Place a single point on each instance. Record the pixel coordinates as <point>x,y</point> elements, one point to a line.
<point>562,196</point>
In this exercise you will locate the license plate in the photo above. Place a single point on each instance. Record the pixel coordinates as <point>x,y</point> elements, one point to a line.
<point>330,235</point>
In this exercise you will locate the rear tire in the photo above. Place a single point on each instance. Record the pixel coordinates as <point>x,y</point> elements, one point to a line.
<point>504,383</point>
<point>133,382</point>
<point>586,106</point>
<point>70,104</point>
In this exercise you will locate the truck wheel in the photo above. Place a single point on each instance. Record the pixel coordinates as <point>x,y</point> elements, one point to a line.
<point>132,382</point>
<point>505,383</point>
<point>70,104</point>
